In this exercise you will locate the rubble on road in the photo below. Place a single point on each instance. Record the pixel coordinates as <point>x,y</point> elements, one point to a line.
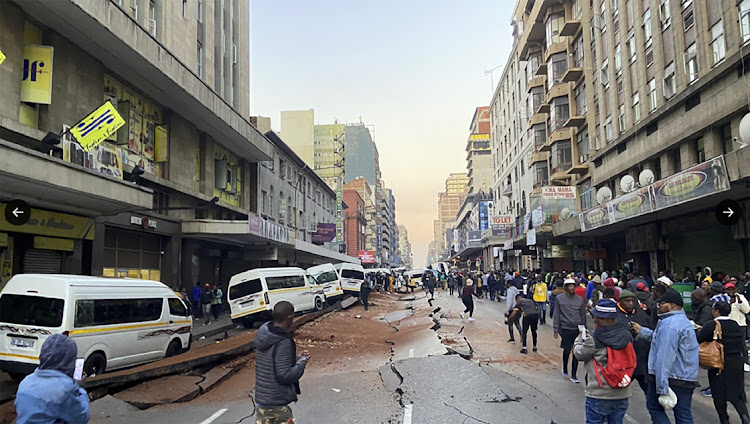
<point>171,389</point>
<point>347,303</point>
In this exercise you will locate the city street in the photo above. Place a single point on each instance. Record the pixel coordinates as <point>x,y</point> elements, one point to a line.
<point>357,375</point>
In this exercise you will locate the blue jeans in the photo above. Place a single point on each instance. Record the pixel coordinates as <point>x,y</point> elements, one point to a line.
<point>542,311</point>
<point>682,413</point>
<point>605,411</point>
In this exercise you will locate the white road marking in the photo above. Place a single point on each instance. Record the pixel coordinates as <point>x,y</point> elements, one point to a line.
<point>407,414</point>
<point>411,353</point>
<point>213,417</point>
<point>630,419</point>
<point>501,325</point>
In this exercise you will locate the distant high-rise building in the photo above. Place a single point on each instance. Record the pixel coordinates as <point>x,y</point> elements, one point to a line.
<point>329,151</point>
<point>478,153</point>
<point>449,204</point>
<point>361,157</point>
<point>298,131</point>
<point>404,247</point>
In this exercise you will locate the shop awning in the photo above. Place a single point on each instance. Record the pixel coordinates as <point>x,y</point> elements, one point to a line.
<point>46,182</point>
<point>236,232</point>
<point>322,254</point>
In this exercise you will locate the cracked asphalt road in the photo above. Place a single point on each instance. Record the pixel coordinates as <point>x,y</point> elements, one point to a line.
<point>389,364</point>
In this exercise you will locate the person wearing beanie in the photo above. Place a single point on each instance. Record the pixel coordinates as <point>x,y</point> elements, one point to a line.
<point>672,361</point>
<point>604,403</point>
<point>629,310</point>
<point>49,394</point>
<point>610,282</point>
<point>466,298</point>
<point>570,312</point>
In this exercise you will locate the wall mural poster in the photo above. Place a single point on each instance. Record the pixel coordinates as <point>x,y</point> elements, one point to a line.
<point>135,128</point>
<point>147,138</point>
<point>228,184</point>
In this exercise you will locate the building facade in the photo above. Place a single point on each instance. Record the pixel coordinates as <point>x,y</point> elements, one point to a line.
<point>449,204</point>
<point>405,247</point>
<point>298,129</point>
<point>361,157</point>
<point>478,155</point>
<point>356,224</point>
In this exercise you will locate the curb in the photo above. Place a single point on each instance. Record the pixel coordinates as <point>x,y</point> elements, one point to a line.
<point>214,331</point>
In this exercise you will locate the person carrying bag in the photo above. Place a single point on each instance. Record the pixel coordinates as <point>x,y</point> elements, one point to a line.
<point>711,353</point>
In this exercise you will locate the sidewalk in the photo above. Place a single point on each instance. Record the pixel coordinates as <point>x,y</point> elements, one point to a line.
<point>217,326</point>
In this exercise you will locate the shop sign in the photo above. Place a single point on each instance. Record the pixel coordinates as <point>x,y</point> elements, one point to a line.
<point>561,251</point>
<point>366,256</point>
<point>501,232</point>
<point>701,180</point>
<point>97,127</point>
<point>51,243</point>
<point>594,218</point>
<point>579,254</point>
<point>475,237</point>
<point>559,192</point>
<point>596,254</point>
<point>325,233</point>
<point>501,220</point>
<point>508,245</point>
<point>270,230</point>
<point>144,222</point>
<point>537,217</point>
<point>531,238</point>
<point>36,83</point>
<point>479,137</point>
<point>51,224</point>
<point>631,204</point>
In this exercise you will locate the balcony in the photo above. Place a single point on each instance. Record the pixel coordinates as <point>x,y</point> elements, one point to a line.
<point>543,108</point>
<point>537,81</point>
<point>560,173</point>
<point>580,169</point>
<point>539,157</point>
<point>546,147</point>
<point>575,122</point>
<point>507,190</point>
<point>570,28</point>
<point>541,70</point>
<point>575,70</point>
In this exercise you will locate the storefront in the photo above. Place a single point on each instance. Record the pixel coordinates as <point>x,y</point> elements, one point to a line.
<point>48,243</point>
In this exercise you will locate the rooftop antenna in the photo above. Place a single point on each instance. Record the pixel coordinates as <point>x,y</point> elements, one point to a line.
<point>490,72</point>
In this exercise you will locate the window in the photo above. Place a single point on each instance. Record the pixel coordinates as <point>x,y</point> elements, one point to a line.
<point>554,25</point>
<point>652,95</point>
<point>176,307</point>
<point>717,42</point>
<point>621,121</point>
<point>152,18</point>
<point>615,8</point>
<point>541,174</point>
<point>532,65</point>
<point>184,8</point>
<point>619,84</point>
<point>726,138</point>
<point>691,63</point>
<point>200,10</point>
<point>618,60</point>
<point>745,20</point>
<point>647,27</point>
<point>636,108</point>
<point>670,84</point>
<point>582,145</point>
<point>562,158</point>
<point>264,202</point>
<point>556,69</point>
<point>688,18</point>
<point>559,112</point>
<point>578,52</point>
<point>523,168</point>
<point>245,288</point>
<point>649,57</point>
<point>536,99</point>
<point>31,310</point>
<point>580,97</point>
<point>540,136</point>
<point>605,73</point>
<point>97,312</point>
<point>664,14</point>
<point>200,60</point>
<point>290,211</point>
<point>270,202</point>
<point>608,130</point>
<point>631,47</point>
<point>701,149</point>
<point>282,169</point>
<point>603,17</point>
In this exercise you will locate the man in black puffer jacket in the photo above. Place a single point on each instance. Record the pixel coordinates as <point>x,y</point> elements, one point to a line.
<point>278,369</point>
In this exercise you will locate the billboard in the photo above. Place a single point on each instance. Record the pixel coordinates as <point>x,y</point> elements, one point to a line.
<point>559,192</point>
<point>325,233</point>
<point>366,256</point>
<point>36,83</point>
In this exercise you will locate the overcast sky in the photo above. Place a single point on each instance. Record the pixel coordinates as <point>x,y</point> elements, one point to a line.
<point>414,69</point>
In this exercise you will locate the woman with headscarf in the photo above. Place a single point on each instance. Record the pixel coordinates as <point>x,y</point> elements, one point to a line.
<point>466,294</point>
<point>49,394</point>
<point>610,282</point>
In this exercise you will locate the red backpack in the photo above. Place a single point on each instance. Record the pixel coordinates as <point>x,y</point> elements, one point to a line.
<point>620,367</point>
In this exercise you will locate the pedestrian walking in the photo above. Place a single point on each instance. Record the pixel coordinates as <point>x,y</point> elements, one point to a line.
<point>216,303</point>
<point>570,314</point>
<point>185,298</point>
<point>672,361</point>
<point>205,299</point>
<point>528,309</point>
<point>278,367</point>
<point>364,291</point>
<point>196,294</point>
<point>628,310</point>
<point>50,394</point>
<point>512,293</point>
<point>443,281</point>
<point>702,311</point>
<point>609,361</point>
<point>657,291</point>
<point>539,290</point>
<point>727,385</point>
<point>466,298</point>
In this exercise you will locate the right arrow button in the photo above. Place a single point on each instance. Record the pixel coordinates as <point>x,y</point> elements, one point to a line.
<point>728,212</point>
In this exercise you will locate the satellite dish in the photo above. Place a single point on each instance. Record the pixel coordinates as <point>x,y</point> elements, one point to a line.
<point>646,177</point>
<point>565,213</point>
<point>603,195</point>
<point>627,183</point>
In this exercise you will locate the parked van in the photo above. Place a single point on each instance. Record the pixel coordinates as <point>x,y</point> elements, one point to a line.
<point>352,276</point>
<point>115,322</point>
<point>414,278</point>
<point>253,294</point>
<point>327,277</point>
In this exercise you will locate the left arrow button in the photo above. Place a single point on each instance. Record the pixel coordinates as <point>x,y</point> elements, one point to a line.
<point>17,212</point>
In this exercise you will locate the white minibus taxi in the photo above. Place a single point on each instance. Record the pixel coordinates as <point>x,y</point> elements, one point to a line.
<point>327,277</point>
<point>352,276</point>
<point>115,322</point>
<point>253,294</point>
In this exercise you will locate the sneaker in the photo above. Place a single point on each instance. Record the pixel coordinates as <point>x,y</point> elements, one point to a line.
<point>524,351</point>
<point>706,392</point>
<point>564,373</point>
<point>575,380</point>
<point>462,315</point>
<point>511,341</point>
<point>534,349</point>
<point>471,319</point>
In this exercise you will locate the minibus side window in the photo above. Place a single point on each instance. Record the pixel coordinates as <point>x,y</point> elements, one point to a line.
<point>245,288</point>
<point>176,307</point>
<point>353,274</point>
<point>288,282</point>
<point>117,311</point>
<point>31,310</point>
<point>326,277</point>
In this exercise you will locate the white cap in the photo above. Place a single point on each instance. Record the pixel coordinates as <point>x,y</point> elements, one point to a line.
<point>570,281</point>
<point>664,279</point>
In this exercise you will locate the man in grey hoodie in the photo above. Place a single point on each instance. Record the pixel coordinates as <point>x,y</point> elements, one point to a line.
<point>278,368</point>
<point>570,312</point>
<point>511,303</point>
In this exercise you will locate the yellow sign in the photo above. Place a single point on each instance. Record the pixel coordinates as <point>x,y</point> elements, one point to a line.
<point>3,240</point>
<point>50,243</point>
<point>134,273</point>
<point>476,137</point>
<point>2,57</point>
<point>96,127</point>
<point>52,224</point>
<point>36,83</point>
<point>108,272</point>
<point>155,275</point>
<point>161,144</point>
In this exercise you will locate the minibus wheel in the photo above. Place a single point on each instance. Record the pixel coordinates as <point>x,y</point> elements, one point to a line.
<point>319,304</point>
<point>174,348</point>
<point>95,364</point>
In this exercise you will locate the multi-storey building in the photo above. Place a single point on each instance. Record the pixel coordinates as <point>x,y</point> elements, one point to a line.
<point>355,222</point>
<point>169,195</point>
<point>405,247</point>
<point>298,130</point>
<point>449,203</point>
<point>361,154</point>
<point>371,214</point>
<point>329,145</point>
<point>478,155</point>
<point>631,97</point>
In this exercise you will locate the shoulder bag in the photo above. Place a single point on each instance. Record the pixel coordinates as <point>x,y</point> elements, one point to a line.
<point>711,354</point>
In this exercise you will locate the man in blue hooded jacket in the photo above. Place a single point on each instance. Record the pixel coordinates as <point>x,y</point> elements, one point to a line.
<point>50,395</point>
<point>672,361</point>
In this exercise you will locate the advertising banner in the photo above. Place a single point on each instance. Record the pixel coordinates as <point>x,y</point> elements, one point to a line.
<point>36,84</point>
<point>366,256</point>
<point>531,238</point>
<point>499,220</point>
<point>559,192</point>
<point>97,127</point>
<point>325,233</point>
<point>475,237</point>
<point>537,217</point>
<point>561,251</point>
<point>632,204</point>
<point>594,218</point>
<point>270,230</point>
<point>597,253</point>
<point>380,237</point>
<point>701,180</point>
<point>508,245</point>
